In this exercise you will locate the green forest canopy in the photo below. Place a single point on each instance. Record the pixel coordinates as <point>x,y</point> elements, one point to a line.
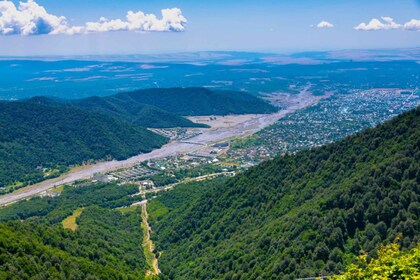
<point>134,111</point>
<point>200,101</point>
<point>301,215</point>
<point>37,137</point>
<point>106,244</point>
<point>296,216</point>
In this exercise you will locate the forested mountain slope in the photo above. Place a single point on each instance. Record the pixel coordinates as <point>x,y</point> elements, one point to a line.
<point>164,108</point>
<point>199,101</point>
<point>39,138</point>
<point>301,215</point>
<point>134,111</point>
<point>105,245</point>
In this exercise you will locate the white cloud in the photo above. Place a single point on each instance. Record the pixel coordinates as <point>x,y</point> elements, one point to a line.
<point>325,24</point>
<point>172,20</point>
<point>388,23</point>
<point>376,24</point>
<point>32,19</point>
<point>412,25</point>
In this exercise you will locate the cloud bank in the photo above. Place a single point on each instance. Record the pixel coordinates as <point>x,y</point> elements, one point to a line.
<point>388,23</point>
<point>376,24</point>
<point>172,20</point>
<point>325,24</point>
<point>412,25</point>
<point>32,19</point>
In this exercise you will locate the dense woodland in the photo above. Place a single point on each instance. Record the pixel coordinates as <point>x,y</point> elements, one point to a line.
<point>164,108</point>
<point>298,216</point>
<point>295,216</point>
<point>106,245</point>
<point>199,101</point>
<point>40,138</point>
<point>134,111</point>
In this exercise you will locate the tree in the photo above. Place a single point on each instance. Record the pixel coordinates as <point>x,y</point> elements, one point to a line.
<point>391,263</point>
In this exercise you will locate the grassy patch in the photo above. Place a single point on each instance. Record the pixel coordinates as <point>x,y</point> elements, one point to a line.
<point>229,164</point>
<point>156,209</point>
<point>129,209</point>
<point>14,186</point>
<point>126,210</point>
<point>52,173</point>
<point>70,222</point>
<point>56,190</point>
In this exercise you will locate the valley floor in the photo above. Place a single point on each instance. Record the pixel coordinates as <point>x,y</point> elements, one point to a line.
<point>219,133</point>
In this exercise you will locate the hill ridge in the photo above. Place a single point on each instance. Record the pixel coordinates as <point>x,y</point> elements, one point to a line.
<point>300,215</point>
<point>40,138</point>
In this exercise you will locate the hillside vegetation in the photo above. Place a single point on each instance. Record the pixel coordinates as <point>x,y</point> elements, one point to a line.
<point>164,108</point>
<point>199,101</point>
<point>105,245</point>
<point>135,112</point>
<point>391,263</point>
<point>41,139</point>
<point>297,216</point>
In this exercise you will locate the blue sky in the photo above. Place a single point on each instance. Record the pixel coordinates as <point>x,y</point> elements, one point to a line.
<point>265,26</point>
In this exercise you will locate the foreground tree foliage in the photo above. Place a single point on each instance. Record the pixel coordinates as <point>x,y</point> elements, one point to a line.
<point>106,244</point>
<point>299,216</point>
<point>391,263</point>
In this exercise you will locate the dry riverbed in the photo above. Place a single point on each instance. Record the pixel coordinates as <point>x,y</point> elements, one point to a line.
<point>223,127</point>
